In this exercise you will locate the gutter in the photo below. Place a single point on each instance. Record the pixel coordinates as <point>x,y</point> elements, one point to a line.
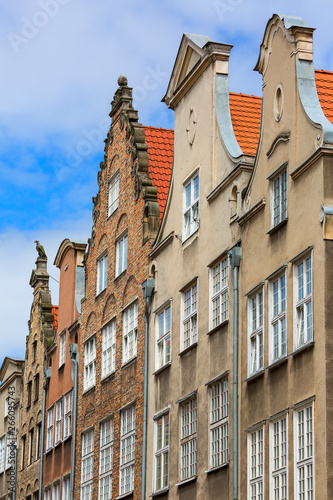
<point>147,289</point>
<point>47,376</point>
<point>72,352</point>
<point>235,255</point>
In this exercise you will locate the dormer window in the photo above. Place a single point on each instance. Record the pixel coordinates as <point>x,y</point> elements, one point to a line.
<point>191,205</point>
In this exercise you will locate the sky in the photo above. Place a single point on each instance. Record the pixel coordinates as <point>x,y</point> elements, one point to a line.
<point>60,61</point>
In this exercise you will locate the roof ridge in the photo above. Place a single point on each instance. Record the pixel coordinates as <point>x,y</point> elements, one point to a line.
<point>158,128</point>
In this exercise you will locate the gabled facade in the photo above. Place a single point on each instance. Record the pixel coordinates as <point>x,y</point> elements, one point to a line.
<point>10,378</point>
<point>126,218</point>
<point>40,337</point>
<point>285,277</point>
<point>61,377</point>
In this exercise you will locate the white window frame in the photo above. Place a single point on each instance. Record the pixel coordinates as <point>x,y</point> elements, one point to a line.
<point>279,197</point>
<point>89,379</point>
<point>121,253</point>
<point>50,428</point>
<point>130,331</point>
<point>277,289</point>
<point>255,463</point>
<point>106,459</point>
<point>6,406</point>
<point>102,272</point>
<point>59,422</point>
<point>62,349</point>
<point>163,322</point>
<point>127,450</point>
<point>10,441</point>
<point>188,438</point>
<point>304,455</point>
<point>278,458</point>
<point>87,464</point>
<point>191,205</point>
<point>303,301</point>
<point>162,451</point>
<point>219,293</point>
<point>189,313</point>
<point>113,198</point>
<point>2,453</point>
<point>47,493</point>
<point>66,485</point>
<point>255,312</point>
<point>56,491</point>
<point>219,423</point>
<point>109,348</point>
<point>68,407</point>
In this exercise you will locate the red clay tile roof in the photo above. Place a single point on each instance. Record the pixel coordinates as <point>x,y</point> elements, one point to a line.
<point>55,310</point>
<point>245,116</point>
<point>324,83</point>
<point>160,153</point>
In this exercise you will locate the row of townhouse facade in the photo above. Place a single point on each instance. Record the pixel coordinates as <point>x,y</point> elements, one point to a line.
<point>190,355</point>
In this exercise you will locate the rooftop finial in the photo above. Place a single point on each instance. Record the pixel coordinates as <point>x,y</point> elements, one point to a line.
<point>122,81</point>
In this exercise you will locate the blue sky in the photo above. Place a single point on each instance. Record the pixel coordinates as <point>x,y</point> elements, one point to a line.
<point>60,60</point>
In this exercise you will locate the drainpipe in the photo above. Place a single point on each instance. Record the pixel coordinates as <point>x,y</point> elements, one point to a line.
<point>147,290</point>
<point>235,255</point>
<point>72,352</point>
<point>47,376</point>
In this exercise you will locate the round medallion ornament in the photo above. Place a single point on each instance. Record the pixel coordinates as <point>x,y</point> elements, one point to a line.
<point>278,103</point>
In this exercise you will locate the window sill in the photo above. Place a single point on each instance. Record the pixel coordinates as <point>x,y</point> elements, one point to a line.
<point>107,377</point>
<point>111,214</point>
<point>303,347</point>
<point>186,481</point>
<point>49,451</point>
<point>277,227</point>
<point>100,294</point>
<point>216,328</point>
<point>67,438</point>
<point>255,375</point>
<point>190,235</point>
<point>278,362</point>
<point>159,492</point>
<point>59,443</point>
<point>189,348</point>
<point>219,467</point>
<point>88,391</point>
<point>61,367</point>
<point>125,495</point>
<point>128,363</point>
<point>159,370</point>
<point>115,280</point>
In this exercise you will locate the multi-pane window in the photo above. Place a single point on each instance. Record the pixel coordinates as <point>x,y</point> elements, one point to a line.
<point>89,363</point>
<point>87,464</point>
<point>188,442</point>
<point>62,349</point>
<point>219,426</point>
<point>102,269</point>
<point>162,452</point>
<point>68,402</point>
<point>130,331</point>
<point>127,449</point>
<point>49,431</point>
<point>38,436</point>
<point>23,448</point>
<point>58,427</point>
<point>47,494</point>
<point>191,206</point>
<point>278,320</point>
<point>163,336</point>
<point>56,491</point>
<point>29,393</point>
<point>303,320</point>
<point>66,482</point>
<point>36,383</point>
<point>113,194</point>
<point>256,465</point>
<point>256,331</point>
<point>304,454</point>
<point>219,293</point>
<point>121,255</point>
<point>279,186</point>
<point>11,442</point>
<point>105,460</point>
<point>278,459</point>
<point>2,453</point>
<point>190,315</point>
<point>109,348</point>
